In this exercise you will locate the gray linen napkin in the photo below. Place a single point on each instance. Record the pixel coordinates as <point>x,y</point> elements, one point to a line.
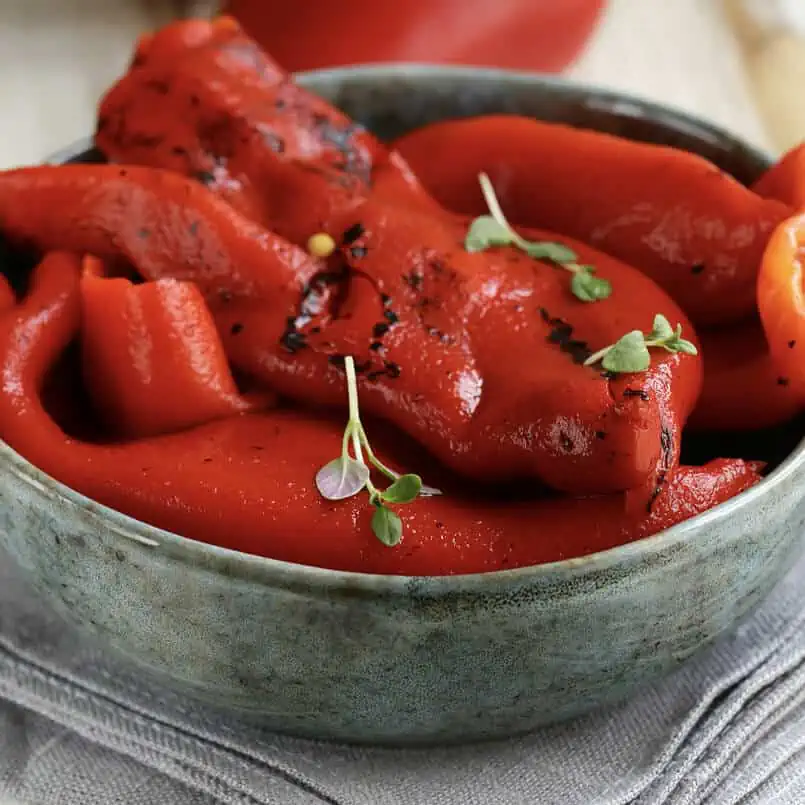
<point>79,728</point>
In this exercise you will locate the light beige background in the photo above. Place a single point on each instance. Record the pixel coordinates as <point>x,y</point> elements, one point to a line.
<point>56,57</point>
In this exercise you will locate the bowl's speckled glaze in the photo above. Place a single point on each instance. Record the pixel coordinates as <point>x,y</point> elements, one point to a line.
<point>400,660</point>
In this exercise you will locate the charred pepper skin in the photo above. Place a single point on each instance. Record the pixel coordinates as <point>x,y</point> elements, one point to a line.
<point>205,101</point>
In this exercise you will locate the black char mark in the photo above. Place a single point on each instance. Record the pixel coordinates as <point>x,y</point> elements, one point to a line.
<point>561,334</point>
<point>666,460</point>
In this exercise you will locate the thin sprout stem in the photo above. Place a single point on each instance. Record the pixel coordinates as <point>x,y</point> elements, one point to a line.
<point>596,356</point>
<point>352,389</point>
<point>370,454</point>
<point>495,209</point>
<point>356,444</point>
<point>345,441</point>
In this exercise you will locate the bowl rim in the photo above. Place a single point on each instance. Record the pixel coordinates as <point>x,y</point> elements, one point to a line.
<point>323,581</point>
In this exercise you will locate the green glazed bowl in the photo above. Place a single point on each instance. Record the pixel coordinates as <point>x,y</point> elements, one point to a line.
<point>396,660</point>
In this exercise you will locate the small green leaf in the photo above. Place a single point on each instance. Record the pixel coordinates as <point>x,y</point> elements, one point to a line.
<point>589,288</point>
<point>686,347</point>
<point>404,489</point>
<point>662,330</point>
<point>485,232</point>
<point>387,526</point>
<point>629,354</point>
<point>546,250</point>
<point>342,478</point>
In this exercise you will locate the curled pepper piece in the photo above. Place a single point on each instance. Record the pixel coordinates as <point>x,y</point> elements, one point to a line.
<point>479,357</point>
<point>247,482</point>
<point>692,228</point>
<point>152,359</point>
<point>781,301</point>
<point>215,107</point>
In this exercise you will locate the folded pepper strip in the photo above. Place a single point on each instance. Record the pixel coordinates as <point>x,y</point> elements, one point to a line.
<point>139,341</point>
<point>479,357</point>
<point>245,482</point>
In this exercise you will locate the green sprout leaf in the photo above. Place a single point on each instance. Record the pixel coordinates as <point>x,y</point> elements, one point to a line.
<point>404,489</point>
<point>631,352</point>
<point>485,232</point>
<point>348,475</point>
<point>628,354</point>
<point>662,330</point>
<point>589,288</point>
<point>342,478</point>
<point>387,526</point>
<point>686,347</point>
<point>491,230</point>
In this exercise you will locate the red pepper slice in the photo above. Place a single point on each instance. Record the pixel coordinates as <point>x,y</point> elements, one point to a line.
<point>785,180</point>
<point>781,301</point>
<point>691,227</point>
<point>152,359</point>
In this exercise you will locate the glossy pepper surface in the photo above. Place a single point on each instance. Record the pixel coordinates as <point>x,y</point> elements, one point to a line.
<point>152,360</point>
<point>203,100</point>
<point>479,357</point>
<point>688,225</point>
<point>246,482</point>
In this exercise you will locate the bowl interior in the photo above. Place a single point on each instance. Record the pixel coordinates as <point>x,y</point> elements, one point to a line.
<point>392,99</point>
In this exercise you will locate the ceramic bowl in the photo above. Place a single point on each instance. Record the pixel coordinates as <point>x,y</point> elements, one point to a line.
<point>400,660</point>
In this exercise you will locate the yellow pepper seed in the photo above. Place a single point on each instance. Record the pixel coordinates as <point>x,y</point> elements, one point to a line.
<point>321,245</point>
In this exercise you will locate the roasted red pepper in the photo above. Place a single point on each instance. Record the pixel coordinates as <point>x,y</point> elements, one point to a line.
<point>672,214</point>
<point>215,107</point>
<point>781,301</point>
<point>247,482</point>
<point>785,180</point>
<point>477,356</point>
<point>162,223</point>
<point>744,388</point>
<point>152,359</point>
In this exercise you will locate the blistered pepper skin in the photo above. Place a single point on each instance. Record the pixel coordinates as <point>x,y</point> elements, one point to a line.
<point>213,106</point>
<point>477,356</point>
<point>247,482</point>
<point>674,215</point>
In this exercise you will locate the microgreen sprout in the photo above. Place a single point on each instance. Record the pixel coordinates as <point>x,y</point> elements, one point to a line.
<point>349,474</point>
<point>631,352</point>
<point>494,230</point>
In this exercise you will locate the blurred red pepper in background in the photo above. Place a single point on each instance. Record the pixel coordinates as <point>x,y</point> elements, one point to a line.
<point>543,35</point>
